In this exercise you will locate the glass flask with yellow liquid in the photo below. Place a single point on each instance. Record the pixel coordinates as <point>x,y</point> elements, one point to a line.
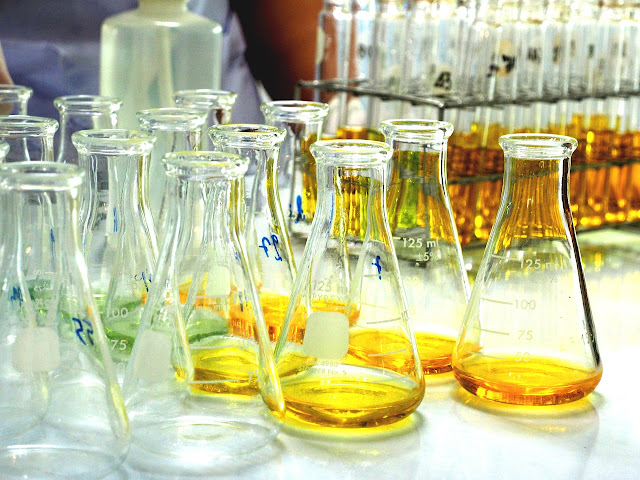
<point>425,237</point>
<point>347,355</point>
<point>116,230</point>
<point>266,235</point>
<point>528,336</point>
<point>61,411</point>
<point>303,122</point>
<point>201,383</point>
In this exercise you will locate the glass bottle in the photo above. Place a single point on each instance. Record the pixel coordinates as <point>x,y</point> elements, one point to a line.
<point>148,53</point>
<point>202,356</point>
<point>347,354</point>
<point>62,411</point>
<point>528,335</point>
<point>425,237</point>
<point>217,104</point>
<point>29,138</point>
<point>82,112</point>
<point>14,99</point>
<point>117,234</point>
<point>268,246</point>
<point>175,130</point>
<point>303,123</point>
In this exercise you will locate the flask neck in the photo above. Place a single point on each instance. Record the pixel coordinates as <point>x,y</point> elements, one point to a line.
<point>162,6</point>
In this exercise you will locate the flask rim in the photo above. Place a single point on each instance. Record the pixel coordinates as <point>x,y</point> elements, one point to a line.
<point>247,135</point>
<point>112,141</point>
<point>171,119</point>
<point>87,103</point>
<point>15,93</point>
<point>40,176</point>
<point>205,97</point>
<point>27,126</point>
<point>416,131</point>
<point>351,153</point>
<point>4,149</point>
<point>295,110</point>
<point>205,165</point>
<point>536,146</point>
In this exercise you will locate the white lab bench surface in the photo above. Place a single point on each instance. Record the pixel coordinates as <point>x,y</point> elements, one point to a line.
<point>455,435</point>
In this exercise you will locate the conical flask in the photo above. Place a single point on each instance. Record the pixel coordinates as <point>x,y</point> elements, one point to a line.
<point>61,412</point>
<point>82,112</point>
<point>425,237</point>
<point>29,138</point>
<point>528,336</point>
<point>117,235</point>
<point>194,381</point>
<point>175,130</point>
<point>347,355</point>
<point>297,168</point>
<point>217,104</point>
<point>14,99</point>
<point>266,235</point>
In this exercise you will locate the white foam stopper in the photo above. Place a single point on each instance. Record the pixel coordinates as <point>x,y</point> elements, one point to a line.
<point>153,357</point>
<point>326,335</point>
<point>36,349</point>
<point>218,282</point>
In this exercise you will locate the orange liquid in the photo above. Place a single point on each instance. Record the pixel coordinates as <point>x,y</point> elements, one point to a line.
<point>634,194</point>
<point>352,133</point>
<point>435,352</point>
<point>576,183</point>
<point>537,381</point>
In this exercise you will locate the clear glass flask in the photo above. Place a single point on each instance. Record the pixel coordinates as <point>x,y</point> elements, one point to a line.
<point>117,235</point>
<point>202,357</point>
<point>14,99</point>
<point>217,103</point>
<point>62,415</point>
<point>266,235</point>
<point>4,149</point>
<point>425,237</point>
<point>148,53</point>
<point>303,122</point>
<point>347,355</point>
<point>528,335</point>
<point>175,130</point>
<point>82,112</point>
<point>29,138</point>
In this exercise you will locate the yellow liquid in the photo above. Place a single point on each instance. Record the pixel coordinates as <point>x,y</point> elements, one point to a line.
<point>309,181</point>
<point>435,352</point>
<point>352,133</point>
<point>576,184</point>
<point>537,381</point>
<point>347,396</point>
<point>634,194</point>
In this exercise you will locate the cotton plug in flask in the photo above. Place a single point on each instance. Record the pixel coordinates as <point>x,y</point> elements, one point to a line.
<point>528,336</point>
<point>117,234</point>
<point>82,112</point>
<point>62,414</point>
<point>347,354</point>
<point>202,358</point>
<point>14,99</point>
<point>148,53</point>
<point>425,237</point>
<point>266,235</point>
<point>216,103</point>
<point>303,122</point>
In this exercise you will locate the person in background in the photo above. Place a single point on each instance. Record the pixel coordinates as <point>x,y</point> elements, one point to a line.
<point>54,48</point>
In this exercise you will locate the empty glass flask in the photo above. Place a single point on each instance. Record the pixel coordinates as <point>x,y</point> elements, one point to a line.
<point>201,381</point>
<point>266,235</point>
<point>425,237</point>
<point>296,167</point>
<point>29,138</point>
<point>347,354</point>
<point>528,336</point>
<point>117,235</point>
<point>14,99</point>
<point>82,112</point>
<point>61,412</point>
<point>217,104</point>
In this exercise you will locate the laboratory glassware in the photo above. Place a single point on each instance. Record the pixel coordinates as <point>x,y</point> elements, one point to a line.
<point>528,335</point>
<point>533,49</point>
<point>202,356</point>
<point>117,235</point>
<point>82,112</point>
<point>217,104</point>
<point>266,235</point>
<point>508,63</point>
<point>585,35</point>
<point>303,122</point>
<point>557,55</point>
<point>148,53</point>
<point>425,237</point>
<point>421,48</point>
<point>62,411</point>
<point>29,138</point>
<point>347,355</point>
<point>14,99</point>
<point>4,149</point>
<point>175,130</point>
